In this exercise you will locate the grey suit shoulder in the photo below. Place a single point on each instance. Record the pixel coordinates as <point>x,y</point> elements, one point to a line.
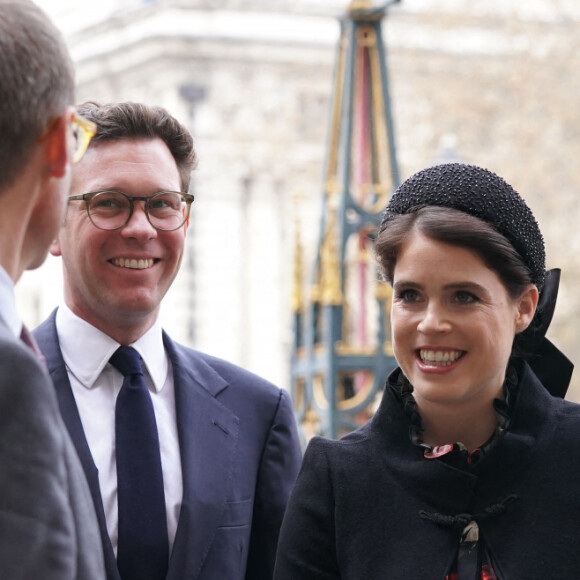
<point>48,527</point>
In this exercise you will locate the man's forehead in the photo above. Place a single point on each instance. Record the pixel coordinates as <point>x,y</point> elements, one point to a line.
<point>127,162</point>
<point>127,148</point>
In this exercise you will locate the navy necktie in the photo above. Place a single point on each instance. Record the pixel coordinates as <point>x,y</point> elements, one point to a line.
<point>143,547</point>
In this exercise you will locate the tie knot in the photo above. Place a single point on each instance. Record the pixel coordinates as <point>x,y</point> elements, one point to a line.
<point>127,361</point>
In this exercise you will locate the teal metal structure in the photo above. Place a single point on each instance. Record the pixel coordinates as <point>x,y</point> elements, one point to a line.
<point>341,352</point>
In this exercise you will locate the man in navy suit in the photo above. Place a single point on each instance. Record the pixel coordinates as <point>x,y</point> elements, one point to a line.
<point>227,439</point>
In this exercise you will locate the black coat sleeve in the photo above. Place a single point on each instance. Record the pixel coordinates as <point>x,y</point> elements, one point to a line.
<point>307,549</point>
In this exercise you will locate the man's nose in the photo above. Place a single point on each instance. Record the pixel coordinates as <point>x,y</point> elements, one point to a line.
<point>138,225</point>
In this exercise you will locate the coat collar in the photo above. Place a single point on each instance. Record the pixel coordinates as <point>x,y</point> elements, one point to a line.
<point>454,490</point>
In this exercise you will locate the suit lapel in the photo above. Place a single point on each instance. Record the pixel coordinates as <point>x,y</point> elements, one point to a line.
<point>208,439</point>
<point>47,339</point>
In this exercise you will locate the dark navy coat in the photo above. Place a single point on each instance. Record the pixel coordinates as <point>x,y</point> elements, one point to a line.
<point>355,513</point>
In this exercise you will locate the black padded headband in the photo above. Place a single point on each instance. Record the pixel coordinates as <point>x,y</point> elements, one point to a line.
<point>482,194</point>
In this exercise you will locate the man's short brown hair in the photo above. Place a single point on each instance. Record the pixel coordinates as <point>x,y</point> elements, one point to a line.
<point>129,120</point>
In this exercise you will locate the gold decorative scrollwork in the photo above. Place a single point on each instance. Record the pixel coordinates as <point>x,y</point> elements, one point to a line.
<point>362,385</point>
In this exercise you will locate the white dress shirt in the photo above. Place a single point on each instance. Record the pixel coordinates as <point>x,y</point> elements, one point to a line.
<point>96,383</point>
<point>8,311</point>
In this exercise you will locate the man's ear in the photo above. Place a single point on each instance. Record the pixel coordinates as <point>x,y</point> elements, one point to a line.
<point>57,147</point>
<point>55,248</point>
<point>527,303</point>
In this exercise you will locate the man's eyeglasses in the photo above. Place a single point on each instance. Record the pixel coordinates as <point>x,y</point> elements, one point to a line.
<point>111,210</point>
<point>83,131</point>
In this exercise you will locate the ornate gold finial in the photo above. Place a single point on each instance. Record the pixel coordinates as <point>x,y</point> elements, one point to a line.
<point>311,422</point>
<point>359,5</point>
<point>315,293</point>
<point>332,187</point>
<point>296,301</point>
<point>330,290</point>
<point>383,292</point>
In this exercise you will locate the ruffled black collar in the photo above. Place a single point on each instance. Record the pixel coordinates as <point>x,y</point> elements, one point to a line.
<point>457,452</point>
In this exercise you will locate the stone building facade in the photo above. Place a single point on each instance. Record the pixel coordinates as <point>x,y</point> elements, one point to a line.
<point>489,82</point>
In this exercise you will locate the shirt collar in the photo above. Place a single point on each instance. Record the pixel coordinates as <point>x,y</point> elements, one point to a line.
<point>8,311</point>
<point>86,350</point>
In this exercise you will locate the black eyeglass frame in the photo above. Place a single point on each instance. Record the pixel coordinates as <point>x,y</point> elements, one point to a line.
<point>87,197</point>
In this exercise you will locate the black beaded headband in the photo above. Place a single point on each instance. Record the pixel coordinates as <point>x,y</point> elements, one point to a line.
<point>482,194</point>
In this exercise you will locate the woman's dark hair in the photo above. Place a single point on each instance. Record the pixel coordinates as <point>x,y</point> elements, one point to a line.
<point>458,229</point>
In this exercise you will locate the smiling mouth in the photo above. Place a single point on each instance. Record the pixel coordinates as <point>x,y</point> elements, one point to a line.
<point>133,264</point>
<point>439,358</point>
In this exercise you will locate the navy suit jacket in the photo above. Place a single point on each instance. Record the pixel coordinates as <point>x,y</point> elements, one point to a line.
<point>240,455</point>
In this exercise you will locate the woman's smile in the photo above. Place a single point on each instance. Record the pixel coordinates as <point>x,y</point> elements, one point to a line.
<point>439,357</point>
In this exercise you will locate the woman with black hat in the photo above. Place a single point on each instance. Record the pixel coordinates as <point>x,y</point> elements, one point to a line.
<point>470,468</point>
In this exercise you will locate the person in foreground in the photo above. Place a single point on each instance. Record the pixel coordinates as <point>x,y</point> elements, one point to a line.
<point>470,467</point>
<point>190,459</point>
<point>48,528</point>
